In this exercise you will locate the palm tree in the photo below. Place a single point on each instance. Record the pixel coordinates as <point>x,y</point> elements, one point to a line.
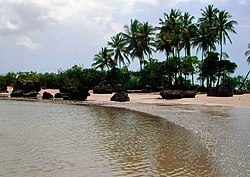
<point>145,38</point>
<point>139,40</point>
<point>104,59</point>
<point>118,44</point>
<point>162,43</point>
<point>224,25</point>
<point>188,32</point>
<point>208,21</point>
<point>130,35</point>
<point>174,22</point>
<point>202,42</point>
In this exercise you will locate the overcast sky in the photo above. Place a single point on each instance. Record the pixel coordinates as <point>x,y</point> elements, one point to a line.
<point>46,35</point>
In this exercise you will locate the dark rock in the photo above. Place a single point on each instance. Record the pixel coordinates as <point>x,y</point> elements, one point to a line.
<point>171,94</point>
<point>103,88</point>
<point>28,86</point>
<point>31,94</point>
<point>147,89</point>
<point>239,92</point>
<point>16,93</point>
<point>120,96</point>
<point>189,93</point>
<point>47,95</point>
<point>177,94</point>
<point>202,89</point>
<point>3,87</point>
<point>66,96</point>
<point>58,95</point>
<point>119,88</point>
<point>74,93</point>
<point>221,91</point>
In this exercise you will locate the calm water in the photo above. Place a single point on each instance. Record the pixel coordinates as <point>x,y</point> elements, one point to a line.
<point>38,139</point>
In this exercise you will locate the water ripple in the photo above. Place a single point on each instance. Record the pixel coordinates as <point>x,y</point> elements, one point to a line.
<point>61,140</point>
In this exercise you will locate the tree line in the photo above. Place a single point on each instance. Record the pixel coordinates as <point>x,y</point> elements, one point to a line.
<point>176,35</point>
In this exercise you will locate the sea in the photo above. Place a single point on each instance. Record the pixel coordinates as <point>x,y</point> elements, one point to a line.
<point>47,139</point>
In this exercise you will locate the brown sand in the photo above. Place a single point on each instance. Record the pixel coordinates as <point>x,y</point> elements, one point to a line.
<point>155,99</point>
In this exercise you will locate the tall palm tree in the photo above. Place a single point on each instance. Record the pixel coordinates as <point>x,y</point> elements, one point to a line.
<point>162,42</point>
<point>145,38</point>
<point>188,32</point>
<point>104,59</point>
<point>224,25</point>
<point>203,42</point>
<point>174,25</point>
<point>139,39</point>
<point>209,22</point>
<point>118,44</point>
<point>131,37</point>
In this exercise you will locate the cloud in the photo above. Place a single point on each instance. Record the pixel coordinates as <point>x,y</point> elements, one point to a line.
<point>25,41</point>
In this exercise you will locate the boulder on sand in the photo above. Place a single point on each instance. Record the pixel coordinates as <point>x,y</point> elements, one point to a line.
<point>171,94</point>
<point>47,95</point>
<point>3,87</point>
<point>120,96</point>
<point>74,93</point>
<point>31,94</point>
<point>16,93</point>
<point>26,88</point>
<point>221,91</point>
<point>103,88</point>
<point>177,94</point>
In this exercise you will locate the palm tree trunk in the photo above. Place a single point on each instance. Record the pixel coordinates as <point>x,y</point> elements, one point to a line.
<point>180,69</point>
<point>218,81</point>
<point>244,80</point>
<point>202,78</point>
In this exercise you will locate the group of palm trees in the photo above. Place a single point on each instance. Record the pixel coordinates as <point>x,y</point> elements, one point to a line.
<point>176,34</point>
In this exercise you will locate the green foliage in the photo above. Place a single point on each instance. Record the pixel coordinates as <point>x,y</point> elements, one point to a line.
<point>73,76</point>
<point>248,85</point>
<point>236,82</point>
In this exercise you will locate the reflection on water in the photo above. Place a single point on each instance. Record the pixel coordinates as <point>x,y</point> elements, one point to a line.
<point>61,140</point>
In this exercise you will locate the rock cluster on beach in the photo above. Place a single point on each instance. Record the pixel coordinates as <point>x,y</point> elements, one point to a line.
<point>3,88</point>
<point>103,88</point>
<point>26,89</point>
<point>73,93</point>
<point>220,91</point>
<point>120,96</point>
<point>177,94</point>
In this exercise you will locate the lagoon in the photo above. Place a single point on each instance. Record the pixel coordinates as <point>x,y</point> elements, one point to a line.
<point>47,139</point>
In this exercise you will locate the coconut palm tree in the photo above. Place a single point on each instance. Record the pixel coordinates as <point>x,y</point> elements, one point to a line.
<point>139,40</point>
<point>202,42</point>
<point>162,43</point>
<point>118,44</point>
<point>223,26</point>
<point>104,59</point>
<point>209,22</point>
<point>145,38</point>
<point>131,37</point>
<point>188,32</point>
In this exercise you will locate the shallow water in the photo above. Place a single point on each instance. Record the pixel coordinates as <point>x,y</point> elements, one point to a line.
<point>40,139</point>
